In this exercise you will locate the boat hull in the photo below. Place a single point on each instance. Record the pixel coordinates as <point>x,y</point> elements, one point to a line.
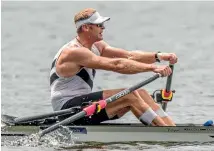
<point>123,133</point>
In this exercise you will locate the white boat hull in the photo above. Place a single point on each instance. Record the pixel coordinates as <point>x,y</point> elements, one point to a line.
<point>125,133</point>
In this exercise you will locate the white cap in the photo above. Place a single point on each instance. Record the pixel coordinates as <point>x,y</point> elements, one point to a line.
<point>93,19</point>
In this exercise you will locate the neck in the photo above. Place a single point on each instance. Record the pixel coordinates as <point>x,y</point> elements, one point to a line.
<point>85,41</point>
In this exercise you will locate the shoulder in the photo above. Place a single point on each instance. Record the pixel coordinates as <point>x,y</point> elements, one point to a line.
<point>101,45</point>
<point>75,51</point>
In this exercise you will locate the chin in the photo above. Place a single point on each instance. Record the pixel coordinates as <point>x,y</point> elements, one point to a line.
<point>99,39</point>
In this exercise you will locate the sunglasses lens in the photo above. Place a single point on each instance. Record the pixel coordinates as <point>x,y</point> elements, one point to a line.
<point>100,25</point>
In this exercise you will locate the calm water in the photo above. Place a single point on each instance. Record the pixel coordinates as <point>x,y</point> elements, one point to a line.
<point>32,32</point>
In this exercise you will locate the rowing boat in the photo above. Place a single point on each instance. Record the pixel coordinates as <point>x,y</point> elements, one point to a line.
<point>14,127</point>
<point>112,132</point>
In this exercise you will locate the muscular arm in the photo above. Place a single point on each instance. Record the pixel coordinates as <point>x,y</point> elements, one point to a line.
<point>140,56</point>
<point>75,57</point>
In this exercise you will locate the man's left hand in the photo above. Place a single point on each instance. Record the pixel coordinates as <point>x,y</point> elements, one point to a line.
<point>171,57</point>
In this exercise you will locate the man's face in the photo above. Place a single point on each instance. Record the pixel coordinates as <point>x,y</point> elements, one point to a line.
<point>96,31</point>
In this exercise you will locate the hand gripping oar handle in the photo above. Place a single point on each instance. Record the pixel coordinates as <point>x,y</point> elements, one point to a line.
<point>168,86</point>
<point>88,111</point>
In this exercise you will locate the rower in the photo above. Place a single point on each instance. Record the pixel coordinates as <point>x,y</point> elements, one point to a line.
<point>74,68</point>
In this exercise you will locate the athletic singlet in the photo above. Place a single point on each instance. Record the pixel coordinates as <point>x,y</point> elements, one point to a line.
<point>64,89</point>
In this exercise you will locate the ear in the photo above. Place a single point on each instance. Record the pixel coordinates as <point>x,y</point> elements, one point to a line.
<point>85,28</point>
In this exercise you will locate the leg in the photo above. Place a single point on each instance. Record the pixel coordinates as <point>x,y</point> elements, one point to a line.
<point>78,102</point>
<point>148,99</point>
<point>132,101</point>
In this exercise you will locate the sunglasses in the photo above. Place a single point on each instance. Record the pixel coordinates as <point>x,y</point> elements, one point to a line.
<point>99,25</point>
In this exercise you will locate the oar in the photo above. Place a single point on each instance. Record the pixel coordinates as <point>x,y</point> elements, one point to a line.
<point>168,86</point>
<point>89,110</point>
<point>15,120</point>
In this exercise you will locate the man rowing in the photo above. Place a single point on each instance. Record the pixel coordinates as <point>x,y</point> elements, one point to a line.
<point>74,67</point>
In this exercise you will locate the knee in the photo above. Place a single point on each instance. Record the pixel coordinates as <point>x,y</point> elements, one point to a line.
<point>142,91</point>
<point>135,93</point>
<point>156,106</point>
<point>133,97</point>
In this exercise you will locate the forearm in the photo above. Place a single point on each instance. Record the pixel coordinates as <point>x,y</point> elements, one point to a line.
<point>126,66</point>
<point>140,56</point>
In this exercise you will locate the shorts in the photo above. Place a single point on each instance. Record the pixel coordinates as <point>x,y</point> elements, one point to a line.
<point>87,98</point>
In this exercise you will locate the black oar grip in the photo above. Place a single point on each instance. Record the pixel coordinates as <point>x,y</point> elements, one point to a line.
<point>169,79</point>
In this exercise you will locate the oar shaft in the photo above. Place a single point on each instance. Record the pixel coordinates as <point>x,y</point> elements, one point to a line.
<point>90,109</point>
<point>131,89</point>
<point>42,116</point>
<point>168,86</point>
<point>169,79</point>
<point>64,122</point>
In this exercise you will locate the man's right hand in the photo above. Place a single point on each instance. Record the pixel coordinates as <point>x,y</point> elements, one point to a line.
<point>163,70</point>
